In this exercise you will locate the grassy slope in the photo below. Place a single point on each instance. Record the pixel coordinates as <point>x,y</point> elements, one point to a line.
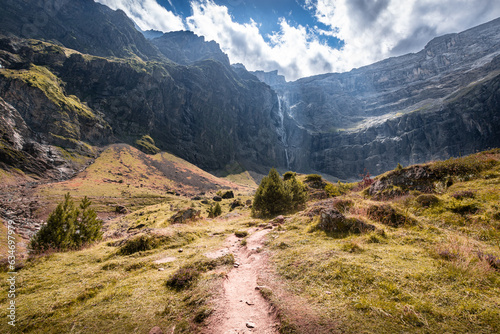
<point>425,277</point>
<point>124,175</point>
<point>107,292</point>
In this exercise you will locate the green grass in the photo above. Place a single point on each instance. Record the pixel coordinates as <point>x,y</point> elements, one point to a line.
<point>423,277</point>
<point>431,275</point>
<point>100,289</point>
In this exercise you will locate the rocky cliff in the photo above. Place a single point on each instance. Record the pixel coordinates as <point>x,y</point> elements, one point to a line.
<point>195,106</point>
<point>186,48</point>
<point>437,103</point>
<point>76,74</point>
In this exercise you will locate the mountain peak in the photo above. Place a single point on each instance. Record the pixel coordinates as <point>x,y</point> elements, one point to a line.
<point>185,47</point>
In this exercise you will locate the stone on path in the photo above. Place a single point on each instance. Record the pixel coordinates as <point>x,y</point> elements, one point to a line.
<point>250,325</point>
<point>156,330</point>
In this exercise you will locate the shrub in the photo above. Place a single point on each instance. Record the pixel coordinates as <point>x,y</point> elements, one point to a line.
<point>214,210</point>
<point>288,175</point>
<point>334,190</point>
<point>68,227</point>
<point>463,194</point>
<point>183,278</point>
<point>366,180</point>
<point>314,178</point>
<point>138,244</point>
<point>275,196</point>
<point>387,215</point>
<point>297,191</point>
<point>427,200</point>
<point>315,181</point>
<point>241,234</point>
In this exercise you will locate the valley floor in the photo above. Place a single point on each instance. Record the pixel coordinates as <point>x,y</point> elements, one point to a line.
<point>433,267</point>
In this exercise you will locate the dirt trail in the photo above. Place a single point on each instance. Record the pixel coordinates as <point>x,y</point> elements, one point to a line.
<point>242,306</point>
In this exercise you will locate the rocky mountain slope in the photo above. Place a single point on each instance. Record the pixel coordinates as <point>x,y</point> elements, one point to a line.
<point>83,89</point>
<point>437,103</point>
<point>79,74</point>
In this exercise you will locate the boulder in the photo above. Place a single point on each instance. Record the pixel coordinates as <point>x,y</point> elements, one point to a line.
<point>331,220</point>
<point>228,194</point>
<point>184,215</point>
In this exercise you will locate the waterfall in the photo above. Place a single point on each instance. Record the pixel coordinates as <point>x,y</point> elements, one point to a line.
<point>281,129</point>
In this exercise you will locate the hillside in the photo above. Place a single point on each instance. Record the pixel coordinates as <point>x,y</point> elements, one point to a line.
<point>426,260</point>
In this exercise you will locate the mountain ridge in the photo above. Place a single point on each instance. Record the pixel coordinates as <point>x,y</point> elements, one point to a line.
<point>211,113</point>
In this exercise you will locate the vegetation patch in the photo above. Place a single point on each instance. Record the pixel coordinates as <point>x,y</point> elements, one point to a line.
<point>387,215</point>
<point>427,200</point>
<point>187,275</point>
<point>147,145</point>
<point>68,227</point>
<point>275,196</point>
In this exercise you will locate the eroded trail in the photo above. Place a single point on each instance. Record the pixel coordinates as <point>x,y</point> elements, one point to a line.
<point>242,309</point>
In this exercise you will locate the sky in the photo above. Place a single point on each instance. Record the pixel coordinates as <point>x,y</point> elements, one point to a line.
<point>301,38</point>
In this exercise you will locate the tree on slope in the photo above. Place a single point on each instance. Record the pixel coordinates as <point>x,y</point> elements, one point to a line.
<point>275,196</point>
<point>68,228</point>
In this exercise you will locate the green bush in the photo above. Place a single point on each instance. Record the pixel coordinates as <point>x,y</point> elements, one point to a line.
<point>138,244</point>
<point>183,278</point>
<point>241,234</point>
<point>214,210</point>
<point>334,190</point>
<point>314,178</point>
<point>68,227</point>
<point>275,196</point>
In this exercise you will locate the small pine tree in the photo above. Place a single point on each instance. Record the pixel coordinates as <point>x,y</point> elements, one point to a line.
<point>65,230</point>
<point>275,196</point>
<point>298,192</point>
<point>214,211</point>
<point>217,210</point>
<point>88,227</point>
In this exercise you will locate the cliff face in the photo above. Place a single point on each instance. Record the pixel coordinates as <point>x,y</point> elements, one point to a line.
<point>94,79</point>
<point>204,112</point>
<point>82,25</point>
<point>186,48</point>
<point>437,103</point>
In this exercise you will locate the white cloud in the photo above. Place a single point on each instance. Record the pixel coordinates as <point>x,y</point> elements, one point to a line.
<point>374,30</point>
<point>147,14</point>
<point>370,29</point>
<point>294,51</point>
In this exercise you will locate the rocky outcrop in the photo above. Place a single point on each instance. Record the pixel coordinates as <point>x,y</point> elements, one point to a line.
<point>24,149</point>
